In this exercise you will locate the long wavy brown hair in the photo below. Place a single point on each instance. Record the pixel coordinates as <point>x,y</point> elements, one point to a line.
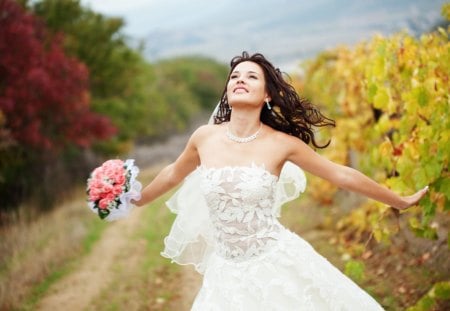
<point>290,114</point>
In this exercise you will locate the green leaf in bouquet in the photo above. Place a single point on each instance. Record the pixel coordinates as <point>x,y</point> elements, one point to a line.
<point>103,213</point>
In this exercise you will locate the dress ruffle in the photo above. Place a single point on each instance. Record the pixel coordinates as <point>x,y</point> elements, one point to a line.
<point>190,238</point>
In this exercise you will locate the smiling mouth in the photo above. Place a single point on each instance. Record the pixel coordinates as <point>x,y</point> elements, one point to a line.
<point>240,89</point>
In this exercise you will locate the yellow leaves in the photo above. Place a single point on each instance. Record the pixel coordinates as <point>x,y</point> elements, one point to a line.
<point>378,68</point>
<point>381,99</point>
<point>398,184</point>
<point>385,148</point>
<point>439,292</point>
<point>445,11</point>
<point>390,98</point>
<point>406,52</point>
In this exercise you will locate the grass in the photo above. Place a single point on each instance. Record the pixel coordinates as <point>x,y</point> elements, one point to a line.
<point>94,233</point>
<point>40,289</point>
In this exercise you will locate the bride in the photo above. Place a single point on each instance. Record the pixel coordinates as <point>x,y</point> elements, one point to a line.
<point>237,173</point>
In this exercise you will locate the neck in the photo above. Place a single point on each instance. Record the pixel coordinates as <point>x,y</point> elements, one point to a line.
<point>244,123</point>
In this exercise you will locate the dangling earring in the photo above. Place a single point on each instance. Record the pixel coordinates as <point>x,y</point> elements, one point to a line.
<point>268,105</point>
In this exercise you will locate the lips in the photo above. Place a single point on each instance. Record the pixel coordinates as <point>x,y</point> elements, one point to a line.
<point>240,89</point>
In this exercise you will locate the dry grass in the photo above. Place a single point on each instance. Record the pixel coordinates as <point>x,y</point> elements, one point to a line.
<point>33,251</point>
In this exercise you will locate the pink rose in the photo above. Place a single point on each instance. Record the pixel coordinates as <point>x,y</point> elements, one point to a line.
<point>94,195</point>
<point>103,204</point>
<point>117,190</point>
<point>106,188</point>
<point>106,201</point>
<point>111,166</point>
<point>120,178</point>
<point>96,172</point>
<point>111,196</point>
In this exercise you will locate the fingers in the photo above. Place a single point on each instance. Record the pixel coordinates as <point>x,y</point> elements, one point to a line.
<point>415,198</point>
<point>424,191</point>
<point>420,194</point>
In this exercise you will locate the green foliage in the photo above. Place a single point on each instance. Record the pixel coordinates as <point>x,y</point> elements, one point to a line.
<point>185,86</point>
<point>355,270</point>
<point>118,74</point>
<point>141,99</point>
<point>204,77</point>
<point>97,41</point>
<point>440,292</point>
<point>446,11</point>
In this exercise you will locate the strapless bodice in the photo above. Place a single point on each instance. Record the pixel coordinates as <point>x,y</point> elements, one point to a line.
<point>241,208</point>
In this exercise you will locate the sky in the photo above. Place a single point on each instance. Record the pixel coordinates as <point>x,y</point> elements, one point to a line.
<point>286,31</point>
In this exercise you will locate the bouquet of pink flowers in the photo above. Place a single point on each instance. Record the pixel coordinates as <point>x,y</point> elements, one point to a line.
<point>111,187</point>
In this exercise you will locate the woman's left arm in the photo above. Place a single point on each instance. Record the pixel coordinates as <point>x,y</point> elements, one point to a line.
<point>346,177</point>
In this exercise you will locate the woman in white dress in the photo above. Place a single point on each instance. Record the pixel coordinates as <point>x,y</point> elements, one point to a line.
<point>237,173</point>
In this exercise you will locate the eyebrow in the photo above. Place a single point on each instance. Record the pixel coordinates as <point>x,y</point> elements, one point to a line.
<point>250,71</point>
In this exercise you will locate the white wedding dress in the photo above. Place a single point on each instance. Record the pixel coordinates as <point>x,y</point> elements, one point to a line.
<point>227,226</point>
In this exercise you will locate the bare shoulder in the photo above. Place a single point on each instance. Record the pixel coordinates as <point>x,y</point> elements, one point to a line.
<point>204,132</point>
<point>285,143</point>
<point>286,140</point>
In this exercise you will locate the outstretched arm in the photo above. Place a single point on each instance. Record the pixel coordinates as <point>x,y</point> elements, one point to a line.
<point>172,174</point>
<point>347,177</point>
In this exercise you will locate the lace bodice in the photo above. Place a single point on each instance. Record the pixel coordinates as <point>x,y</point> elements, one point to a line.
<point>241,208</point>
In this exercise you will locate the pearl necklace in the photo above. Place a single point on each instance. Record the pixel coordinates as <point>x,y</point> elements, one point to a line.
<point>242,139</point>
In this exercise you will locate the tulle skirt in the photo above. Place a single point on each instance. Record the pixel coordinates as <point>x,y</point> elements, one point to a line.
<point>291,275</point>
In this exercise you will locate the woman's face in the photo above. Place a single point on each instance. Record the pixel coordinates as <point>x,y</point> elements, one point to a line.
<point>247,85</point>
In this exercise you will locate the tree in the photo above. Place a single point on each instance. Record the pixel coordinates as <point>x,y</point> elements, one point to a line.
<point>44,94</point>
<point>44,100</point>
<point>118,75</point>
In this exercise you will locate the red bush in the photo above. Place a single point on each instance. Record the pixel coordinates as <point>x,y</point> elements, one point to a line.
<point>43,93</point>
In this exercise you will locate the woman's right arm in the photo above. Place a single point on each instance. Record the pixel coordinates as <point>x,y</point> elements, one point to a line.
<point>172,174</point>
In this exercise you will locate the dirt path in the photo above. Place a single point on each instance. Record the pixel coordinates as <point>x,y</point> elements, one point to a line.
<point>79,289</point>
<point>76,291</point>
<point>191,281</point>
